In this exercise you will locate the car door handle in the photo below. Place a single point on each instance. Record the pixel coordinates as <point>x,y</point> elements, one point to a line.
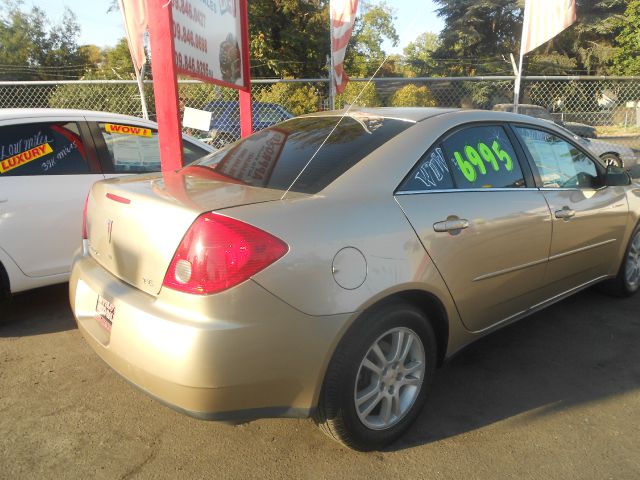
<point>566,213</point>
<point>4,200</point>
<point>451,225</point>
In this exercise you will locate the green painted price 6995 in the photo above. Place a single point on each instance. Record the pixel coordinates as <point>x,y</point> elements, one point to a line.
<point>476,159</point>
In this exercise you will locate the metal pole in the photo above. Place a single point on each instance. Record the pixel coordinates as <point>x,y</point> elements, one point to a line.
<point>143,100</point>
<point>525,29</point>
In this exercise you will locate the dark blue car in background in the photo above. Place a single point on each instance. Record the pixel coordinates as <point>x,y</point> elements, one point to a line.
<point>225,121</point>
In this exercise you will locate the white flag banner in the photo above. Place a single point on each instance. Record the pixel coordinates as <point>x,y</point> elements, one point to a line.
<point>543,20</point>
<point>135,23</point>
<point>343,16</point>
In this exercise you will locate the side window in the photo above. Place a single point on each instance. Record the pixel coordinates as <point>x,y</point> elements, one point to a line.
<point>431,173</point>
<point>42,149</point>
<point>483,157</point>
<point>560,164</point>
<point>132,149</point>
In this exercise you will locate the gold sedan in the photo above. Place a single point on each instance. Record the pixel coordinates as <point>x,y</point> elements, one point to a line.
<point>328,265</point>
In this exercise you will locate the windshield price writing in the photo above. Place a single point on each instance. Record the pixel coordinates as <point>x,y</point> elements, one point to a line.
<point>476,158</point>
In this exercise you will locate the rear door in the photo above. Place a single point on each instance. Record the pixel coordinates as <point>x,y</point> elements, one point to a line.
<point>47,166</point>
<point>488,231</point>
<point>589,220</point>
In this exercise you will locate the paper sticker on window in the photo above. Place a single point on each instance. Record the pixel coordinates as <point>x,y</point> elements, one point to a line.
<point>127,130</point>
<point>434,170</point>
<point>25,157</point>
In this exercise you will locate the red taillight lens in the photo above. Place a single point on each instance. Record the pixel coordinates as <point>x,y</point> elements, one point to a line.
<point>219,252</point>
<point>84,219</point>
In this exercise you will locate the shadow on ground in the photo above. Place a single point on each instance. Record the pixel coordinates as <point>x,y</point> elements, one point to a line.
<point>36,312</point>
<point>581,350</point>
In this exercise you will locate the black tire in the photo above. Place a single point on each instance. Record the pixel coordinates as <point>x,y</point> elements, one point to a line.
<point>612,159</point>
<point>5,288</point>
<point>336,414</point>
<point>620,286</point>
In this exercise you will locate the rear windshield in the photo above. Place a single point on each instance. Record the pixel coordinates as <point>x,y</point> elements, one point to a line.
<point>274,157</point>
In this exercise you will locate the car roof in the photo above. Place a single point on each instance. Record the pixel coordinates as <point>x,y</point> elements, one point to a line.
<point>411,114</point>
<point>419,114</point>
<point>19,113</point>
<point>385,167</point>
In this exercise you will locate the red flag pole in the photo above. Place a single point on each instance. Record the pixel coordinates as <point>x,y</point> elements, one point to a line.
<point>246,113</point>
<point>165,84</point>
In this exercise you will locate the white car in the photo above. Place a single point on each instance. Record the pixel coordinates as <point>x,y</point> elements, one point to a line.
<point>49,159</point>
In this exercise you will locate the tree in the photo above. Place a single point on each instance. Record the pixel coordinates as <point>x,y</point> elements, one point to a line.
<point>364,52</point>
<point>289,38</point>
<point>476,34</point>
<point>418,55</point>
<point>627,59</point>
<point>35,48</point>
<point>481,35</point>
<point>360,94</point>
<point>298,98</point>
<point>413,96</point>
<point>113,63</point>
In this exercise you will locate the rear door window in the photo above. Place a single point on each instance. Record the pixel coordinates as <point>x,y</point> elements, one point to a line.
<point>483,157</point>
<point>51,148</point>
<point>431,173</point>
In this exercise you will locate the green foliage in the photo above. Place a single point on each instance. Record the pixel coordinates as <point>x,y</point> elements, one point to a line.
<point>481,35</point>
<point>477,34</point>
<point>360,94</point>
<point>364,53</point>
<point>418,55</point>
<point>113,63</point>
<point>412,96</point>
<point>296,98</point>
<point>116,98</point>
<point>34,48</point>
<point>627,60</point>
<point>289,38</point>
<point>485,94</point>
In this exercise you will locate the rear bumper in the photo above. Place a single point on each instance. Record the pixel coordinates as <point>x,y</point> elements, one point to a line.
<point>240,354</point>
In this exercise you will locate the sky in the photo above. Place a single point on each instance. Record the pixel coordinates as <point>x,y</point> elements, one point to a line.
<point>98,27</point>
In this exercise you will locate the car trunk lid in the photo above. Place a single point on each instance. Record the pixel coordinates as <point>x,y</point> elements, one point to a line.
<point>135,224</point>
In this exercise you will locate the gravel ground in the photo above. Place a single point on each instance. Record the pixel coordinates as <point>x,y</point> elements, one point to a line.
<point>555,396</point>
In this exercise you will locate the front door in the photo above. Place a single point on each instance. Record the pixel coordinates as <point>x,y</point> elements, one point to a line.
<point>589,220</point>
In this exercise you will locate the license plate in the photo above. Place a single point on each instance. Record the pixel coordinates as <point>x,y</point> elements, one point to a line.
<point>105,310</point>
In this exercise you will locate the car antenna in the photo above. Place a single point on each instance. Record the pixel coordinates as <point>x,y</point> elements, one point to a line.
<point>346,113</point>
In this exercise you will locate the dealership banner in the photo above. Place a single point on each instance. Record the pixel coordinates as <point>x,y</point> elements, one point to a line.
<point>209,41</point>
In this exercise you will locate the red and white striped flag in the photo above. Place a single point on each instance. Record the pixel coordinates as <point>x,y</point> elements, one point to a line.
<point>343,16</point>
<point>544,19</point>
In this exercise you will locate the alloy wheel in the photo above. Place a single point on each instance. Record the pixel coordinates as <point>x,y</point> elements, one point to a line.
<point>389,378</point>
<point>632,270</point>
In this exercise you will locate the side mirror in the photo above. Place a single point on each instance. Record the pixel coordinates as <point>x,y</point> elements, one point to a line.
<point>616,177</point>
<point>634,172</point>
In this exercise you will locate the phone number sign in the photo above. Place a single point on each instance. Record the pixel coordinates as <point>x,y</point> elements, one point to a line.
<point>209,39</point>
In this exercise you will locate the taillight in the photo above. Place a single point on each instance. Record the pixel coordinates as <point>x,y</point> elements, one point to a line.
<point>219,252</point>
<point>84,219</point>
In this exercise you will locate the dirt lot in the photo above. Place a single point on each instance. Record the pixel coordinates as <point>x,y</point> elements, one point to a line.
<point>555,396</point>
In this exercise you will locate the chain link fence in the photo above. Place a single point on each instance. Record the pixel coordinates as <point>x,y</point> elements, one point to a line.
<point>605,107</point>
